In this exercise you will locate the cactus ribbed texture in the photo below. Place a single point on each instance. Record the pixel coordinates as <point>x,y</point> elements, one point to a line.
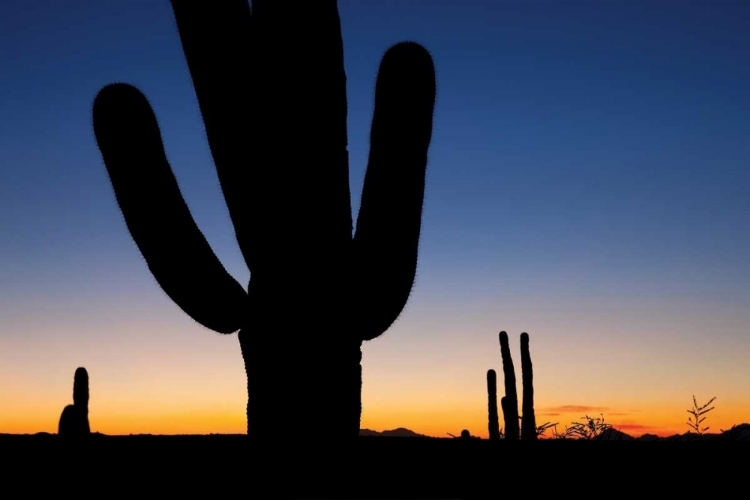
<point>74,420</point>
<point>493,421</point>
<point>528,419</point>
<point>510,406</point>
<point>271,89</point>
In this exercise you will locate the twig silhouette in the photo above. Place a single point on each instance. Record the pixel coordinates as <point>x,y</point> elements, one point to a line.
<point>593,428</point>
<point>697,413</point>
<point>542,429</point>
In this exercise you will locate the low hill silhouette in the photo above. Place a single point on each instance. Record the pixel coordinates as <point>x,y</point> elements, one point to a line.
<point>739,432</point>
<point>399,432</point>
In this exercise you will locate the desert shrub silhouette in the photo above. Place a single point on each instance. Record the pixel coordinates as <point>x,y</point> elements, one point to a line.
<point>271,88</point>
<point>74,420</point>
<point>595,428</point>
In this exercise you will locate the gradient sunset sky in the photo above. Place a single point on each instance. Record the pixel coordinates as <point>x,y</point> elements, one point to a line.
<point>587,183</point>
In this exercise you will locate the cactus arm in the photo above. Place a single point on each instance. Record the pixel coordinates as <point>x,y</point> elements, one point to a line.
<point>156,214</point>
<point>214,37</point>
<point>386,241</point>
<point>275,118</point>
<point>81,388</point>
<point>81,398</point>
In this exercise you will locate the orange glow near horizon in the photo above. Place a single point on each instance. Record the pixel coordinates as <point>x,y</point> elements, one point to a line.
<point>645,422</point>
<point>166,375</point>
<point>431,422</point>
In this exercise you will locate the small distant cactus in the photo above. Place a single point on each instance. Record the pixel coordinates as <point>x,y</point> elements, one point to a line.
<point>74,420</point>
<point>493,419</point>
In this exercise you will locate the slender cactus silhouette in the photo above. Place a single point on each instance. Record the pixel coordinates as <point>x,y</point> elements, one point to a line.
<point>510,401</point>
<point>271,88</point>
<point>493,420</point>
<point>528,418</point>
<point>74,420</point>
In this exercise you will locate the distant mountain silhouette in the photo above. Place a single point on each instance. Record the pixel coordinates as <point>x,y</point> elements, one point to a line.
<point>400,432</point>
<point>612,434</point>
<point>740,432</point>
<point>649,437</point>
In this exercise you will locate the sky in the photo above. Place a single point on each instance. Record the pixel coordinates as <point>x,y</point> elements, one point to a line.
<point>587,183</point>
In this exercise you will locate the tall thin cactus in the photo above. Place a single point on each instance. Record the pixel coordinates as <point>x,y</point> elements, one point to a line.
<point>528,419</point>
<point>510,405</point>
<point>271,88</point>
<point>493,420</point>
<point>509,402</point>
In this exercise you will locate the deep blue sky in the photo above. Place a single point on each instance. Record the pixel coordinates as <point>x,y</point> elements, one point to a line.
<point>588,171</point>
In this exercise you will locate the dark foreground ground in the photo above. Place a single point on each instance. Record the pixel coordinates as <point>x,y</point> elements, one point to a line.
<point>376,467</point>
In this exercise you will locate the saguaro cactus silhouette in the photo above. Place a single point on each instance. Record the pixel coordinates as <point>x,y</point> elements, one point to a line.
<point>528,419</point>
<point>74,420</point>
<point>271,88</point>
<point>509,403</point>
<point>493,420</point>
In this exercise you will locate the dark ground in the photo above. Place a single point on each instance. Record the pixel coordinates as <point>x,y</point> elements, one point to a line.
<point>376,467</point>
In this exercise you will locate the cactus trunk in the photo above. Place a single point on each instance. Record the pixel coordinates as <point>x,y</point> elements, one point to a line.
<point>510,407</point>
<point>493,420</point>
<point>325,380</point>
<point>528,421</point>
